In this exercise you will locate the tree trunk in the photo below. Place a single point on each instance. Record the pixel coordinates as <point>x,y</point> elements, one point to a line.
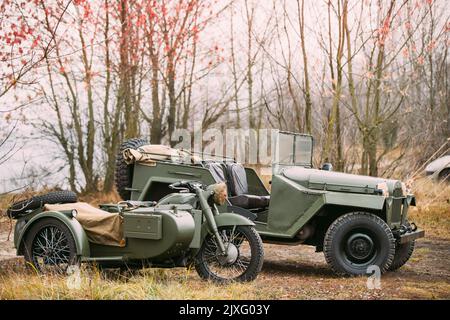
<point>172,98</point>
<point>307,93</point>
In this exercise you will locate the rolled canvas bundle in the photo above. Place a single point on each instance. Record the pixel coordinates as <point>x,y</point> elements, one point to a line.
<point>101,227</point>
<point>148,154</point>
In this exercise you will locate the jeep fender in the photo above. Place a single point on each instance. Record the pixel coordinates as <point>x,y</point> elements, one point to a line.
<point>79,235</point>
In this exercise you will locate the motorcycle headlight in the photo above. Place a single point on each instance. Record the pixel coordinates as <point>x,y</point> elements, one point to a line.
<point>383,189</point>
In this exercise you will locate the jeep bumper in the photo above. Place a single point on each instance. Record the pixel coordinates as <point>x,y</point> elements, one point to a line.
<point>411,236</point>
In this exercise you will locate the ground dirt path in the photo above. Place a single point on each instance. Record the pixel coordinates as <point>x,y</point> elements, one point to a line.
<point>295,268</point>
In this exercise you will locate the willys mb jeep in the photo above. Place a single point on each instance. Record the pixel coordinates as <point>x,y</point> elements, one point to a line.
<point>357,221</point>
<point>54,232</point>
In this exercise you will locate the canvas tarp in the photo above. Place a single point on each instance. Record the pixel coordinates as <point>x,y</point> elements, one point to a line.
<point>148,154</point>
<point>101,227</point>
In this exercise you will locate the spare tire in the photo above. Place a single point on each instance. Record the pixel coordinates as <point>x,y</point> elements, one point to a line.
<point>444,175</point>
<point>21,207</point>
<point>124,171</point>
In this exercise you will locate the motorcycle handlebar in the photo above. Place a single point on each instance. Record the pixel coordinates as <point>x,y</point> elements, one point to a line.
<point>190,185</point>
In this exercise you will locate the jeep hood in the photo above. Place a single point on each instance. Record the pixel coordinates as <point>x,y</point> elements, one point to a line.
<point>336,181</point>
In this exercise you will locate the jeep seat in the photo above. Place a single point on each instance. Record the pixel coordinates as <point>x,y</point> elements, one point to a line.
<point>236,179</point>
<point>238,186</point>
<point>217,170</point>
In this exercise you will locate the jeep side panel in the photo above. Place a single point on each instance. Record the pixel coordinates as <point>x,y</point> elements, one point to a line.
<point>287,217</point>
<point>151,183</point>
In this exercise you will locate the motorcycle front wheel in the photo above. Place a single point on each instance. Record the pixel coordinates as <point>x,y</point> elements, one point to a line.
<point>243,259</point>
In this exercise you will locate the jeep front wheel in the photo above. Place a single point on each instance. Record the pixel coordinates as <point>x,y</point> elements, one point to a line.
<point>356,241</point>
<point>403,251</point>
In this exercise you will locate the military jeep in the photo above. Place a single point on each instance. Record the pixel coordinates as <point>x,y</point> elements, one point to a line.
<point>357,221</point>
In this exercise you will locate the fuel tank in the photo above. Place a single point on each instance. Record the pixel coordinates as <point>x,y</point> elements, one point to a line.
<point>179,198</point>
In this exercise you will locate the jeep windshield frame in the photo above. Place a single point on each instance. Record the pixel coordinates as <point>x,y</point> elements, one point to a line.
<point>292,149</point>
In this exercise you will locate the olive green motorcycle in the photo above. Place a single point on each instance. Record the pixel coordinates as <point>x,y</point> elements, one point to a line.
<point>183,229</point>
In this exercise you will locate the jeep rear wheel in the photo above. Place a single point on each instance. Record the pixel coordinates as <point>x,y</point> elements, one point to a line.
<point>356,241</point>
<point>124,171</point>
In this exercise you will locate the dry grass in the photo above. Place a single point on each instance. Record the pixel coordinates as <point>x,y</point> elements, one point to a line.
<point>293,276</point>
<point>111,284</point>
<point>432,212</point>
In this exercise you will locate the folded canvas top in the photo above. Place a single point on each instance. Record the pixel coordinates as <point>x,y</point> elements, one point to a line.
<point>101,227</point>
<point>152,152</point>
<point>148,154</point>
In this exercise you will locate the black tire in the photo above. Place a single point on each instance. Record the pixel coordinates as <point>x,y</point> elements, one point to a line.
<point>54,255</point>
<point>403,252</point>
<point>250,269</point>
<point>19,208</point>
<point>124,172</point>
<point>357,240</point>
<point>444,175</point>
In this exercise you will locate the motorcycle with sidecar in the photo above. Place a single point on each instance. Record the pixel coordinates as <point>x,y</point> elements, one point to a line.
<point>54,232</point>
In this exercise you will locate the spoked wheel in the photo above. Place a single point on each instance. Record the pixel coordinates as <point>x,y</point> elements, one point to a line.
<point>242,261</point>
<point>50,247</point>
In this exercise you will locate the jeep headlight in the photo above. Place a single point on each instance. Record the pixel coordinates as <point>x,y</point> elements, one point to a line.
<point>383,189</point>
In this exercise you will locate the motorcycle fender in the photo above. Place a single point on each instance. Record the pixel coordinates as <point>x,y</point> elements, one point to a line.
<point>225,219</point>
<point>79,235</point>
<point>232,219</point>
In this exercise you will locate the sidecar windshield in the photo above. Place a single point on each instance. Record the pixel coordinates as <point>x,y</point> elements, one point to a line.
<point>293,149</point>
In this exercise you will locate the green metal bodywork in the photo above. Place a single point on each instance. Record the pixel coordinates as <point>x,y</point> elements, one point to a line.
<point>24,224</point>
<point>162,234</point>
<point>287,217</point>
<point>150,182</point>
<point>294,201</point>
